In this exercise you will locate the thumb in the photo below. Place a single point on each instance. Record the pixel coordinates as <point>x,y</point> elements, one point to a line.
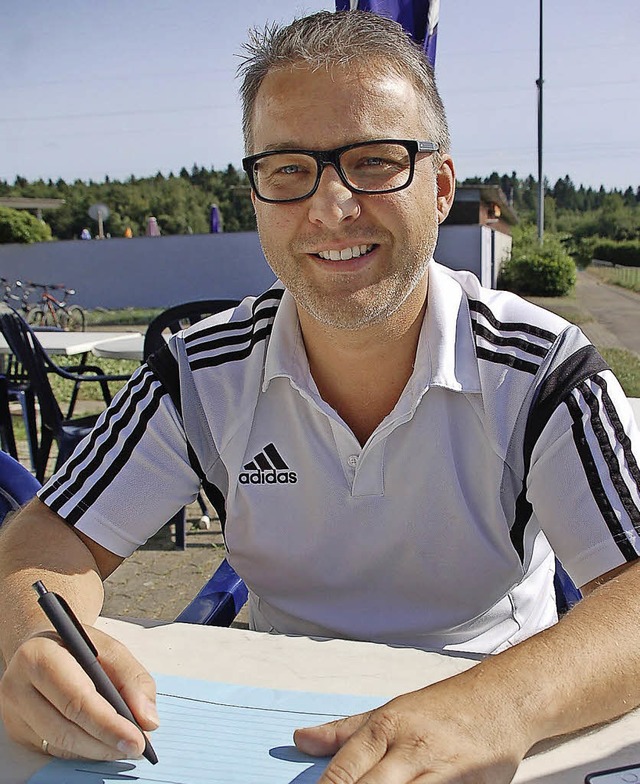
<point>324,740</point>
<point>135,684</point>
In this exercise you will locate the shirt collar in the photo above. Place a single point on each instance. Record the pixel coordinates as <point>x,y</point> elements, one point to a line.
<point>445,357</point>
<point>447,333</point>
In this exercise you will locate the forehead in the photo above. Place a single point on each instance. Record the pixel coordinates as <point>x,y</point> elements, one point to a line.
<point>322,108</point>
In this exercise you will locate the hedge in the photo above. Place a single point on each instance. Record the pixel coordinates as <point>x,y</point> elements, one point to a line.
<point>545,270</point>
<point>626,252</point>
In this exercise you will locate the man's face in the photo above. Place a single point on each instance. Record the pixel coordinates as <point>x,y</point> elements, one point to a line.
<point>320,110</point>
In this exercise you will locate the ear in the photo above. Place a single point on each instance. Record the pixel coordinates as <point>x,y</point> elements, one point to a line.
<point>446,179</point>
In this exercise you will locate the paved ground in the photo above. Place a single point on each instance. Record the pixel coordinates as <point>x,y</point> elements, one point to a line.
<point>158,580</point>
<point>615,312</point>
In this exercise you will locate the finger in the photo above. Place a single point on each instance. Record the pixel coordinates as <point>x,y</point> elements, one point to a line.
<point>70,713</point>
<point>396,767</point>
<point>66,739</point>
<point>133,681</point>
<point>363,751</point>
<point>325,739</point>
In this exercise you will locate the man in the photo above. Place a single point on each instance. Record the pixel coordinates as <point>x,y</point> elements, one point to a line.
<point>395,447</point>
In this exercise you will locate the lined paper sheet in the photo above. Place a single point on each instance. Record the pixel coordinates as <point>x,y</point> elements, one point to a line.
<point>217,733</point>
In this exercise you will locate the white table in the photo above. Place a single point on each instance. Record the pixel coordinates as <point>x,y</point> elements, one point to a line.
<point>72,343</point>
<point>129,347</point>
<point>336,666</point>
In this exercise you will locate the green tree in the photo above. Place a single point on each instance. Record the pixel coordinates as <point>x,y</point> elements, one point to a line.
<point>20,226</point>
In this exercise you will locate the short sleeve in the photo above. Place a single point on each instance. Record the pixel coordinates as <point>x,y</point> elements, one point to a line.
<point>131,474</point>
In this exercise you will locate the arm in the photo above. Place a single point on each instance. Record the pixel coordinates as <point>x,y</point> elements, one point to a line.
<point>479,724</point>
<point>44,693</point>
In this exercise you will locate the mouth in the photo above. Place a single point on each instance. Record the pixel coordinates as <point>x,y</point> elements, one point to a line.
<point>345,254</point>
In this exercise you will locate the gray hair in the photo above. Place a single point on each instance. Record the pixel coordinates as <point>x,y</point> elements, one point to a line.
<point>326,40</point>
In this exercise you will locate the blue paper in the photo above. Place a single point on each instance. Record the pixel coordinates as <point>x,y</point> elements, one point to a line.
<point>218,733</point>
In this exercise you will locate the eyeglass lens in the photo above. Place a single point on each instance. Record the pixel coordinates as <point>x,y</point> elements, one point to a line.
<point>371,167</point>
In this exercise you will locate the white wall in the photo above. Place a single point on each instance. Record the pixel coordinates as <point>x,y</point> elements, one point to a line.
<point>479,249</point>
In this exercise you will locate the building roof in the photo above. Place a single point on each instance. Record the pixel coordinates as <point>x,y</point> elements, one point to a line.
<point>27,203</point>
<point>490,194</point>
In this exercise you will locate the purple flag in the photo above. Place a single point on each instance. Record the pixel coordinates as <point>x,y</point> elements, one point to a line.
<point>418,17</point>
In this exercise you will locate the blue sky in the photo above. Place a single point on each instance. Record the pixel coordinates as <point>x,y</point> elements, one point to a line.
<point>117,88</point>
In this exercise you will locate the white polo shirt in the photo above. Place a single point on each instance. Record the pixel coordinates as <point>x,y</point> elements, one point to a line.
<point>510,434</point>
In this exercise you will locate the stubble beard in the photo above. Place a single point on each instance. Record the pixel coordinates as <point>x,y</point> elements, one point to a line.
<point>368,306</point>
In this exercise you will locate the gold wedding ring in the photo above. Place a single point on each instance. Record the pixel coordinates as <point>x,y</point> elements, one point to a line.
<point>45,746</point>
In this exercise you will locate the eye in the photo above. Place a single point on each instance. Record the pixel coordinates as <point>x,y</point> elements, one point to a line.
<point>289,168</point>
<point>378,163</point>
<point>372,161</point>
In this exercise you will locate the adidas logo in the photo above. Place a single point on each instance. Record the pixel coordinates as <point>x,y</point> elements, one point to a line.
<point>267,468</point>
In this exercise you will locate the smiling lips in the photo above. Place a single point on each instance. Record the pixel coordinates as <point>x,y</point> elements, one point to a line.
<point>346,253</point>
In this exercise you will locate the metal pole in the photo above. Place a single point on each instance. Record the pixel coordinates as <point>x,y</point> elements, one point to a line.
<point>539,83</point>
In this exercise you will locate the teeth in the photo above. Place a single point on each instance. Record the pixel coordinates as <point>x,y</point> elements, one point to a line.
<point>346,254</point>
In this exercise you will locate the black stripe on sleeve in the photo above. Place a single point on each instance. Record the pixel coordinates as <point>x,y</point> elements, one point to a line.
<point>131,441</point>
<point>260,311</point>
<point>507,359</point>
<point>500,340</point>
<point>510,326</point>
<point>231,356</point>
<point>583,364</point>
<point>620,432</point>
<point>217,336</point>
<point>608,454</point>
<point>136,392</point>
<point>608,513</point>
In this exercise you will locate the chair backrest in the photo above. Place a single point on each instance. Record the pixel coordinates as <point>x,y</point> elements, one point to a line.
<point>28,351</point>
<point>17,485</point>
<point>179,317</point>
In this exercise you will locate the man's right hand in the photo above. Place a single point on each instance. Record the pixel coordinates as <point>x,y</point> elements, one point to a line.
<point>46,695</point>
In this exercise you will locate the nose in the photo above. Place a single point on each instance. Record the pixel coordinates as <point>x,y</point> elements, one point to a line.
<point>332,203</point>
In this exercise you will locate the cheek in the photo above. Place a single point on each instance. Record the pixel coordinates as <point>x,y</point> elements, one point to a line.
<point>273,219</point>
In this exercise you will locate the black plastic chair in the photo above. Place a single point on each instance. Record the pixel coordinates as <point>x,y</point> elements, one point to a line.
<point>65,430</point>
<point>171,321</point>
<point>180,317</point>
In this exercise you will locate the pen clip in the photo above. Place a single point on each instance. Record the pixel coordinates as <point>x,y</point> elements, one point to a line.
<point>76,623</point>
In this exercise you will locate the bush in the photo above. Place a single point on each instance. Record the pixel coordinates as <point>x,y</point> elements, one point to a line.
<point>625,253</point>
<point>21,226</point>
<point>545,270</point>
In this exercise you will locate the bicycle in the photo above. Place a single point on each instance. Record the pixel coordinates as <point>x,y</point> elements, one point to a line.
<point>54,312</point>
<point>21,302</point>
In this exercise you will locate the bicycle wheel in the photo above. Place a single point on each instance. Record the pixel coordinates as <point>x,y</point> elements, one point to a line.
<point>75,318</point>
<point>37,317</point>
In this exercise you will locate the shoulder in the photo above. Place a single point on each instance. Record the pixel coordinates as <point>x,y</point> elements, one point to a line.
<point>232,335</point>
<point>503,308</point>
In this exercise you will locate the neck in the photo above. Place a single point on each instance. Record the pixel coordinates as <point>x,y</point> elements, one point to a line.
<point>362,373</point>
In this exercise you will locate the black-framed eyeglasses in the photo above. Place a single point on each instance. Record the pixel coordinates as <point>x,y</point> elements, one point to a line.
<point>378,166</point>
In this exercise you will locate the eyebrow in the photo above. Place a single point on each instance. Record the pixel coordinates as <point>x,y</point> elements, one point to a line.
<point>296,146</point>
<point>283,146</point>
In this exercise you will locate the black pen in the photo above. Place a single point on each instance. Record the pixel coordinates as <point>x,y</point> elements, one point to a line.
<point>84,652</point>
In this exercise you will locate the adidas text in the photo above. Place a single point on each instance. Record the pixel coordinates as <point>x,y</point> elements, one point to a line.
<point>270,477</point>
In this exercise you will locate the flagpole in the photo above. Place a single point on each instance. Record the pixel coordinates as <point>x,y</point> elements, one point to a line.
<point>539,83</point>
